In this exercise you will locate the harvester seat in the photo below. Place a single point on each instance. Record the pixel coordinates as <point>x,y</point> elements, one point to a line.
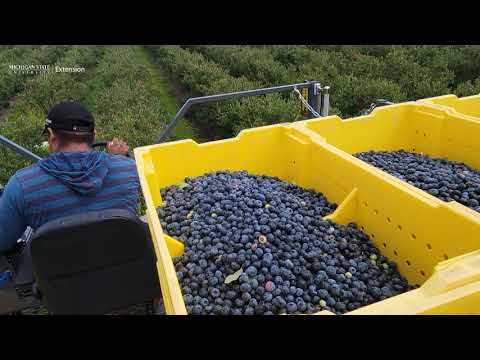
<point>94,263</point>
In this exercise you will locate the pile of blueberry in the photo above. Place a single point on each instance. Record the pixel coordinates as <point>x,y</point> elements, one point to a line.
<point>446,180</point>
<point>259,245</point>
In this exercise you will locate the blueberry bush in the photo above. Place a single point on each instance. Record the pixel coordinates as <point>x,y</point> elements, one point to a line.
<point>358,74</point>
<point>253,63</point>
<point>200,76</point>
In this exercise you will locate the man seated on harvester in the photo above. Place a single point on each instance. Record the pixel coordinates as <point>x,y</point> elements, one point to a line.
<point>73,179</point>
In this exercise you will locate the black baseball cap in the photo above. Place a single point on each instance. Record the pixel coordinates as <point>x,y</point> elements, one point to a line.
<point>70,116</point>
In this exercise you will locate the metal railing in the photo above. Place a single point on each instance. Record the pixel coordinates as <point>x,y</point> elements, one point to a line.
<point>314,100</point>
<point>19,149</point>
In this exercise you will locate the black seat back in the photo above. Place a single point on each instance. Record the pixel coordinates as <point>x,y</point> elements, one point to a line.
<point>94,263</point>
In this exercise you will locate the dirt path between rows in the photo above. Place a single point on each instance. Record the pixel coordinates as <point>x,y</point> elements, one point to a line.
<point>178,96</point>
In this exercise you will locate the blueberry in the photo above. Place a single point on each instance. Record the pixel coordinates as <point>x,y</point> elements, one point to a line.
<point>188,299</point>
<point>386,292</point>
<point>203,263</point>
<point>375,292</point>
<point>249,311</point>
<point>274,270</point>
<point>215,293</point>
<point>279,302</point>
<point>260,290</point>
<point>301,306</point>
<point>291,307</point>
<point>335,290</point>
<point>267,259</point>
<point>231,295</point>
<point>236,311</point>
<point>269,286</point>
<point>330,301</point>
<point>225,310</point>
<point>331,270</point>
<point>322,293</point>
<point>246,296</point>
<point>362,266</point>
<point>341,307</point>
<point>219,301</point>
<point>239,302</point>
<point>245,287</point>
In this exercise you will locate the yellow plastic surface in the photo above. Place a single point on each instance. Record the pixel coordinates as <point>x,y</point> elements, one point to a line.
<point>467,106</point>
<point>407,226</point>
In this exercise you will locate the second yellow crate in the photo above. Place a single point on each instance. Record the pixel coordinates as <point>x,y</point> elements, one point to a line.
<point>410,126</point>
<point>468,106</point>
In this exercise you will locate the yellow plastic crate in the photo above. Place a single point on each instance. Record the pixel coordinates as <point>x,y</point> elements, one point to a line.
<point>408,227</point>
<point>467,106</point>
<point>410,126</point>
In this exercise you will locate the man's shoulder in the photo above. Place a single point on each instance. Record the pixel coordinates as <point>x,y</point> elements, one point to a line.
<point>122,164</point>
<point>120,159</point>
<point>27,172</point>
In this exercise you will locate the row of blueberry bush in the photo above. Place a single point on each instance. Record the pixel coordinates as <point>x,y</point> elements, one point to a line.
<point>200,76</point>
<point>122,99</point>
<point>360,74</point>
<point>254,63</point>
<point>357,74</point>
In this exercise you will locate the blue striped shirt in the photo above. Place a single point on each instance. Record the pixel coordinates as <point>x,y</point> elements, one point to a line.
<point>66,183</point>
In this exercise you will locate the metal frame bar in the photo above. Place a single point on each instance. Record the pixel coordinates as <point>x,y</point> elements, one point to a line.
<point>19,149</point>
<point>325,100</point>
<point>312,84</point>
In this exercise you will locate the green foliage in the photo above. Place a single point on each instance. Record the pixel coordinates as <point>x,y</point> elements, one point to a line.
<point>24,122</point>
<point>44,91</point>
<point>253,63</point>
<point>116,87</point>
<point>124,105</point>
<point>203,77</point>
<point>468,88</point>
<point>366,73</point>
<point>10,82</point>
<point>24,128</point>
